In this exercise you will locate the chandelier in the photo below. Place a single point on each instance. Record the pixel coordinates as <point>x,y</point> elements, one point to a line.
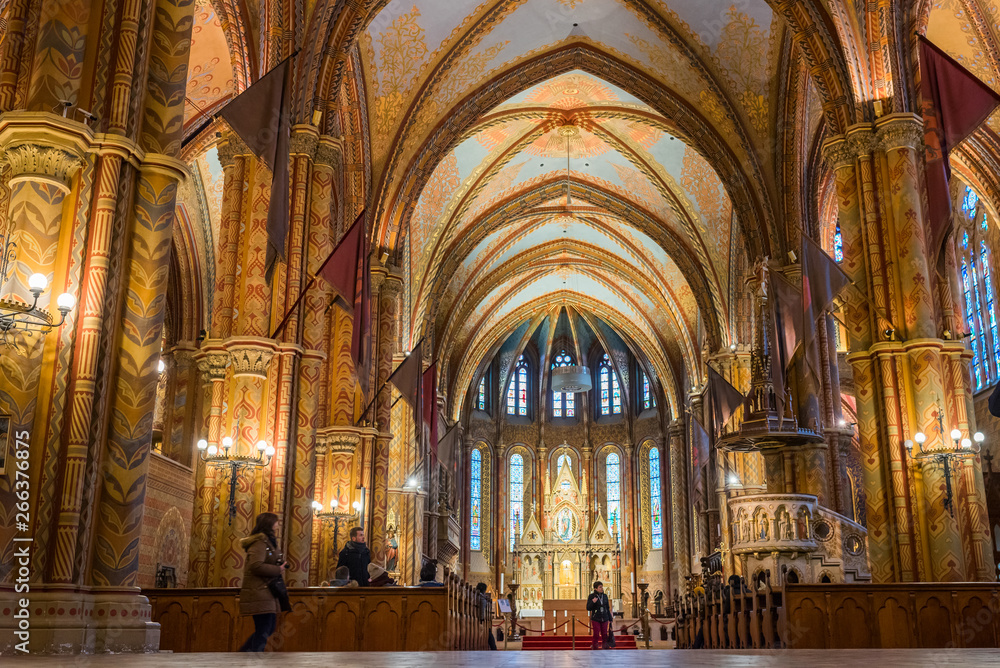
<point>571,379</point>
<point>14,316</point>
<point>232,464</point>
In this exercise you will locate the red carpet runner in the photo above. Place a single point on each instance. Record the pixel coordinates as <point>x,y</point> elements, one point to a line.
<point>551,642</point>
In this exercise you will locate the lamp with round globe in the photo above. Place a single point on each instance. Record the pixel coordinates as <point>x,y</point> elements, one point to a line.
<point>963,448</point>
<point>16,316</point>
<point>231,464</point>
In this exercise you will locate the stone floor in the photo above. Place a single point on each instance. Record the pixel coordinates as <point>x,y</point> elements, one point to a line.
<point>639,659</point>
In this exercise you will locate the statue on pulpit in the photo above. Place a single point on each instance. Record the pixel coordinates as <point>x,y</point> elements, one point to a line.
<point>391,549</point>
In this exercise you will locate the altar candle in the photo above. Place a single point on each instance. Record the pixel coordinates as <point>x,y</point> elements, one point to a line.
<point>501,582</point>
<point>633,581</point>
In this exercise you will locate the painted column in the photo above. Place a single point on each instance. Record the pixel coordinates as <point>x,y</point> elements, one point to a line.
<point>679,502</point>
<point>388,290</point>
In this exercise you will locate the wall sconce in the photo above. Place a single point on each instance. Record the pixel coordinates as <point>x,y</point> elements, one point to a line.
<point>960,449</point>
<point>232,464</point>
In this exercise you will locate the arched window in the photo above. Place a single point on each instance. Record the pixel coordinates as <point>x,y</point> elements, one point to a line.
<point>611,391</point>
<point>978,292</point>
<point>563,403</point>
<point>481,398</point>
<point>613,478</point>
<point>563,459</point>
<point>655,509</point>
<point>838,244</point>
<point>647,392</point>
<point>517,391</point>
<point>516,497</point>
<point>476,489</point>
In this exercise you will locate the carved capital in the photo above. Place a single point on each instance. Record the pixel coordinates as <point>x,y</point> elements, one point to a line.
<point>230,147</point>
<point>327,153</point>
<point>838,153</point>
<point>249,358</point>
<point>863,142</point>
<point>900,131</point>
<point>304,141</point>
<point>212,365</point>
<point>676,429</point>
<point>48,164</point>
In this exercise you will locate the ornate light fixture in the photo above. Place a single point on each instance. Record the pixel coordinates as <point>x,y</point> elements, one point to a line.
<point>334,515</point>
<point>15,316</point>
<point>571,379</point>
<point>961,448</point>
<point>232,464</point>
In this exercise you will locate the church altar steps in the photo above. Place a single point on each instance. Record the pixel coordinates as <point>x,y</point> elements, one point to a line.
<point>549,643</point>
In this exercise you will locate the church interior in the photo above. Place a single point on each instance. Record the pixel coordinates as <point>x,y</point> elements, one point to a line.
<point>692,298</point>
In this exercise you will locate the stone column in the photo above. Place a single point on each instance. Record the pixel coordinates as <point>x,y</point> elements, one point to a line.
<point>388,287</point>
<point>679,502</point>
<point>907,378</point>
<point>212,367</point>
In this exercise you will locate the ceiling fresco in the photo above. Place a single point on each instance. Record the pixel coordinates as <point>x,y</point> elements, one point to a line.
<point>474,268</point>
<point>210,76</point>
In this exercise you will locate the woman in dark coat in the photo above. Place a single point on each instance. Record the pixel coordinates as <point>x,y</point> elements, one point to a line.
<point>264,563</point>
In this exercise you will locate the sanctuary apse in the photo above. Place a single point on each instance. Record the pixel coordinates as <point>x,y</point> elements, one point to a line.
<point>545,291</point>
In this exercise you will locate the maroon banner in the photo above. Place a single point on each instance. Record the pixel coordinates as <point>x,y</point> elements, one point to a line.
<point>260,116</point>
<point>786,332</point>
<point>340,269</point>
<point>725,398</point>
<point>361,333</point>
<point>407,379</point>
<point>953,103</point>
<point>428,404</point>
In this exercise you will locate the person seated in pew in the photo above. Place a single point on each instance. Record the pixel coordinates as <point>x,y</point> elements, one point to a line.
<point>378,577</point>
<point>428,575</point>
<point>342,578</point>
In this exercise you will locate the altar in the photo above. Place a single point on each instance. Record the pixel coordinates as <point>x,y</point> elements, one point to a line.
<point>562,550</point>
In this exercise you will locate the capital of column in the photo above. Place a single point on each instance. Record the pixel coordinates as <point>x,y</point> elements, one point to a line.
<point>897,131</point>
<point>838,153</point>
<point>251,355</point>
<point>231,146</point>
<point>304,140</point>
<point>328,152</point>
<point>41,163</point>
<point>676,429</point>
<point>212,362</point>
<point>343,438</point>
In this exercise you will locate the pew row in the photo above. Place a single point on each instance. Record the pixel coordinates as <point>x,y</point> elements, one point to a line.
<point>326,619</point>
<point>839,616</point>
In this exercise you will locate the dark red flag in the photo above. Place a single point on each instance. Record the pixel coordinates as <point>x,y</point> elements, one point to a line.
<point>786,331</point>
<point>822,281</point>
<point>725,398</point>
<point>259,115</point>
<point>954,103</point>
<point>361,334</point>
<point>341,267</point>
<point>407,378</point>
<point>428,404</point>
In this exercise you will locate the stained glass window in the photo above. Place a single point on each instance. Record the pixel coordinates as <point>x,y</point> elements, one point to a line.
<point>563,459</point>
<point>516,497</point>
<point>477,500</point>
<point>655,510</point>
<point>609,388</point>
<point>978,293</point>
<point>647,393</point>
<point>969,202</point>
<point>838,244</point>
<point>614,482</point>
<point>517,390</point>
<point>984,257</point>
<point>481,402</point>
<point>563,403</point>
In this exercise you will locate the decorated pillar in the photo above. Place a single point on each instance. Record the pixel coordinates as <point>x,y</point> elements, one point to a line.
<point>680,503</point>
<point>387,286</point>
<point>907,378</point>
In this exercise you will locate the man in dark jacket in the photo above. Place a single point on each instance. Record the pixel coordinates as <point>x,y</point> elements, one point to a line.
<point>356,557</point>
<point>600,614</point>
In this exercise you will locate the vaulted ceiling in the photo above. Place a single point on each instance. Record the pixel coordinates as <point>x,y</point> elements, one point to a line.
<point>682,129</point>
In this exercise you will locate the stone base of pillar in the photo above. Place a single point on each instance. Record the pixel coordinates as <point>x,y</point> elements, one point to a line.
<point>57,619</point>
